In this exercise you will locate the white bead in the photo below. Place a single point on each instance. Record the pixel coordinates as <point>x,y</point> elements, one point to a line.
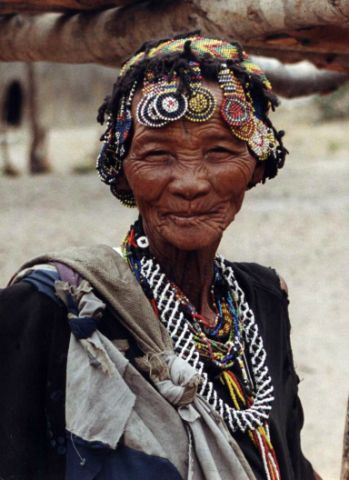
<point>142,242</point>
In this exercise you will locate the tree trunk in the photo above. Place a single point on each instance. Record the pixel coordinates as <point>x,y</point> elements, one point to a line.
<point>38,162</point>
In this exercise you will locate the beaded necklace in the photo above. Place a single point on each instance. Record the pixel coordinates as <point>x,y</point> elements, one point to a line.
<point>225,345</point>
<point>220,343</point>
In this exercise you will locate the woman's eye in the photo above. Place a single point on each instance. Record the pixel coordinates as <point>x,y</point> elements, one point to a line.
<point>157,155</point>
<point>219,152</point>
<point>219,149</point>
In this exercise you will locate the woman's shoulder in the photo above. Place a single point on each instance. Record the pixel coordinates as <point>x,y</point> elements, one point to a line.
<point>260,277</point>
<point>30,295</point>
<point>26,315</point>
<point>24,293</point>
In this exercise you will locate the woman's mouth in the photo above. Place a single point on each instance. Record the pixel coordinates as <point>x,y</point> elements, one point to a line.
<point>187,218</point>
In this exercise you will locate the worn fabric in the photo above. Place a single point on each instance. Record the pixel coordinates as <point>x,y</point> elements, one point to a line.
<point>96,389</point>
<point>46,347</point>
<point>101,267</point>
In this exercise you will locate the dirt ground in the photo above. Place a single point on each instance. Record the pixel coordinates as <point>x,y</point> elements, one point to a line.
<point>298,223</point>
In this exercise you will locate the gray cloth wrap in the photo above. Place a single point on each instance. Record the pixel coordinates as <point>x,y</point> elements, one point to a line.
<point>107,397</point>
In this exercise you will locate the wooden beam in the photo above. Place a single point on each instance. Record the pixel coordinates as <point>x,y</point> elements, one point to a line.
<point>106,37</point>
<point>326,46</point>
<point>329,61</point>
<point>299,80</point>
<point>345,454</point>
<point>289,30</point>
<point>10,7</point>
<point>250,19</point>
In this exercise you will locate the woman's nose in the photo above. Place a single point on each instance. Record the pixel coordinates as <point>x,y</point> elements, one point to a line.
<point>190,183</point>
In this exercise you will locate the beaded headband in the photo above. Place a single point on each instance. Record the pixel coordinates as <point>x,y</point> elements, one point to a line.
<point>177,92</point>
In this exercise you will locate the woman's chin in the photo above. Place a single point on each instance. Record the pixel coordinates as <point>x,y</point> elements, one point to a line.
<point>191,239</point>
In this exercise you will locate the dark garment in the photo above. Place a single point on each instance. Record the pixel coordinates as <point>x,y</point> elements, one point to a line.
<point>34,342</point>
<point>124,463</point>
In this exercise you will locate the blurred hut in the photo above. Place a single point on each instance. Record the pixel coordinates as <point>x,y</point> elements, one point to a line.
<point>35,99</point>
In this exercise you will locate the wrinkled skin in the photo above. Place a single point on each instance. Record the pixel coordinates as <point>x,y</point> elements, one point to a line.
<point>189,180</point>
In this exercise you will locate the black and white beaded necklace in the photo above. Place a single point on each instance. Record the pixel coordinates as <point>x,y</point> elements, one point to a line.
<point>156,285</point>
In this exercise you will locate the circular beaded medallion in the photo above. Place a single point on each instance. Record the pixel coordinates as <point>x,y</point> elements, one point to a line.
<point>146,113</point>
<point>235,111</point>
<point>201,105</point>
<point>170,106</point>
<point>262,141</point>
<point>245,131</point>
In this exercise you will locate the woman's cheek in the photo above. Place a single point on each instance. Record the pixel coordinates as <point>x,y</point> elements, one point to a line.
<point>232,179</point>
<point>147,181</point>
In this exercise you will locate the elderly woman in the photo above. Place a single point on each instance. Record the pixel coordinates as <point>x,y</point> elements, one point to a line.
<point>160,359</point>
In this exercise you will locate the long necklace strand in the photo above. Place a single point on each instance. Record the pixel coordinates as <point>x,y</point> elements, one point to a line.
<point>249,413</point>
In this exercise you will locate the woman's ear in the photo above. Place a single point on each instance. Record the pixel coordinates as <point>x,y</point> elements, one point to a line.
<point>258,174</point>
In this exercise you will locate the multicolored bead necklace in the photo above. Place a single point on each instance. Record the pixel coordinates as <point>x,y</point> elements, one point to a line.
<point>221,343</point>
<point>224,346</point>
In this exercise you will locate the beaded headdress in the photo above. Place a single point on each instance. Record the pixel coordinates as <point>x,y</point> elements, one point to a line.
<point>170,74</point>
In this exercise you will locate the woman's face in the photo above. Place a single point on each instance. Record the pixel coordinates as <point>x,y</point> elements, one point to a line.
<point>188,179</point>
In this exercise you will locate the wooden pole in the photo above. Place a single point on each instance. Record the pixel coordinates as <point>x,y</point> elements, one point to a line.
<point>38,162</point>
<point>345,456</point>
<point>7,167</point>
<point>301,79</point>
<point>10,7</point>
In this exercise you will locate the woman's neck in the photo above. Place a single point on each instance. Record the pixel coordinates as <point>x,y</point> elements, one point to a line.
<point>191,271</point>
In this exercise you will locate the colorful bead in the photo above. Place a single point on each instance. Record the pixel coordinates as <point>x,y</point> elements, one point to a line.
<point>235,111</point>
<point>147,114</point>
<point>113,151</point>
<point>238,111</point>
<point>201,105</point>
<point>170,106</point>
<point>126,198</point>
<point>262,142</point>
<point>142,241</point>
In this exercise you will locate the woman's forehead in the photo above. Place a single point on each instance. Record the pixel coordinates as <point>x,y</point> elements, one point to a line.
<point>175,133</point>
